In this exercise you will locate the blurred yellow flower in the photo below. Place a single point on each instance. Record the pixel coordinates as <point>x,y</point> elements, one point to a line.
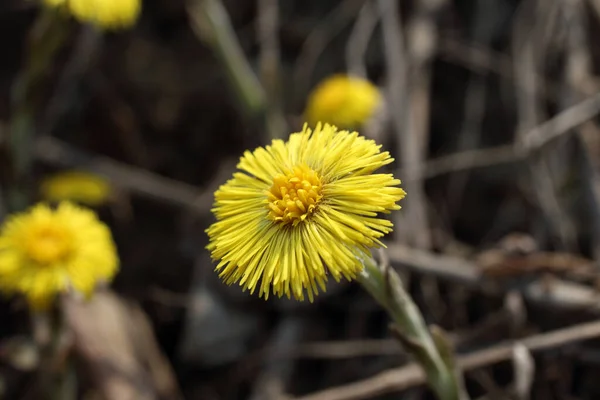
<point>77,186</point>
<point>301,210</point>
<point>107,14</point>
<point>46,251</point>
<point>343,100</point>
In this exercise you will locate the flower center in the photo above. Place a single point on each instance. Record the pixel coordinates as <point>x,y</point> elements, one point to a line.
<point>295,195</point>
<point>48,244</point>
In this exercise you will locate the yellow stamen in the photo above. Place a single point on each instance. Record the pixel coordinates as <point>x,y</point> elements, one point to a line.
<point>295,195</point>
<point>48,244</point>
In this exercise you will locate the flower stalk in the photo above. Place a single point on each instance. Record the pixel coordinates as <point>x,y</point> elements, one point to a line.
<point>47,36</point>
<point>56,378</point>
<point>428,348</point>
<point>212,23</point>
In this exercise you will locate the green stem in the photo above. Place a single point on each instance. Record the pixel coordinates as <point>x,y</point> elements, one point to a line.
<point>47,36</point>
<point>269,61</point>
<point>213,25</point>
<point>429,351</point>
<point>56,378</point>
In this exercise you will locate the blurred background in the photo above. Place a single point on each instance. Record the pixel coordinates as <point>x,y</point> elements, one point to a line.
<point>489,110</point>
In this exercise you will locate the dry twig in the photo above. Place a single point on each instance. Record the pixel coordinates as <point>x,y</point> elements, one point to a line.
<point>56,152</point>
<point>317,40</point>
<point>560,294</point>
<point>402,378</point>
<point>359,39</point>
<point>410,128</point>
<point>562,123</point>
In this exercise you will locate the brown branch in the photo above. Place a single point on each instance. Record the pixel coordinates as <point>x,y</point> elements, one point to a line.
<point>317,41</point>
<point>562,123</point>
<point>410,105</point>
<point>559,293</point>
<point>469,159</point>
<point>53,151</point>
<point>359,39</point>
<point>402,378</point>
<point>136,180</point>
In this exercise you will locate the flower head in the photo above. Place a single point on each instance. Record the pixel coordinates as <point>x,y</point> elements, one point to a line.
<point>343,100</point>
<point>107,14</point>
<point>44,252</point>
<point>77,186</point>
<point>302,210</point>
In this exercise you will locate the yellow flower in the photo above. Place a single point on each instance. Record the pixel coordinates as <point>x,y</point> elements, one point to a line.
<point>44,252</point>
<point>301,210</point>
<point>76,186</point>
<point>107,14</point>
<point>344,101</point>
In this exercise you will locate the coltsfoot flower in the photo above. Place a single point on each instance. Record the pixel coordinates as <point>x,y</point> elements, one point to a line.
<point>77,186</point>
<point>107,14</point>
<point>343,100</point>
<point>46,251</point>
<point>302,210</point>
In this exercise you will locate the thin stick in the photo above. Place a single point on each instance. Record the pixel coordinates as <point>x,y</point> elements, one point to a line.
<point>531,46</point>
<point>399,379</point>
<point>130,178</point>
<point>562,123</point>
<point>560,294</point>
<point>409,72</point>
<point>317,41</point>
<point>56,152</point>
<point>88,43</point>
<point>53,151</point>
<point>474,104</point>
<point>359,39</point>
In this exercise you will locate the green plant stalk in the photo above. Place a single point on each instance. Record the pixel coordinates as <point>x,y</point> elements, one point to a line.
<point>269,65</point>
<point>47,36</point>
<point>56,376</point>
<point>211,22</point>
<point>387,289</point>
